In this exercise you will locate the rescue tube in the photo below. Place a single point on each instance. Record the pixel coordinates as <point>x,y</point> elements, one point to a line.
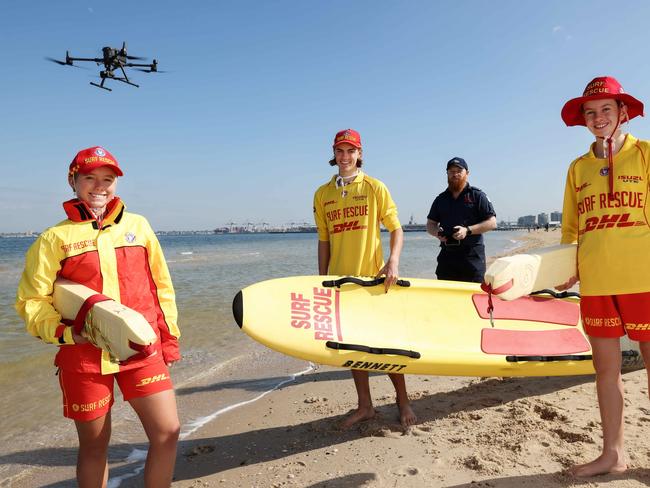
<point>109,325</point>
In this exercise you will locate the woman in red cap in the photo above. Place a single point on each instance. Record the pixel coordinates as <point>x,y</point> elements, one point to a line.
<point>115,253</point>
<point>605,213</point>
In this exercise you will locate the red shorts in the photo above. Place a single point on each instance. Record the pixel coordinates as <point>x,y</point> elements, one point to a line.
<point>616,315</point>
<point>87,396</point>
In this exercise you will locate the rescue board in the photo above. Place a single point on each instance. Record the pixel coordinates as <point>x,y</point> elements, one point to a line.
<point>518,275</point>
<point>422,326</point>
<point>109,325</point>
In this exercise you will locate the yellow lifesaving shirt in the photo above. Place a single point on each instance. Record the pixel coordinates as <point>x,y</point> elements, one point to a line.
<point>348,218</point>
<point>612,231</point>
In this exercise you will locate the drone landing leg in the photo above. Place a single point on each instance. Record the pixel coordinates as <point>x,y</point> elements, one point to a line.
<point>100,86</point>
<point>126,79</point>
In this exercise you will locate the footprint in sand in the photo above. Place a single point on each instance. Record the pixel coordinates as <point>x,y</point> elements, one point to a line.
<point>199,450</point>
<point>407,471</point>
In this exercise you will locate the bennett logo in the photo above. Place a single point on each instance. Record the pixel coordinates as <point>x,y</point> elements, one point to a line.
<point>371,366</point>
<point>582,187</point>
<point>153,379</point>
<point>345,226</point>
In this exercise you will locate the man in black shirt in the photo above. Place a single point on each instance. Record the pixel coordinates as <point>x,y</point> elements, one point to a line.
<point>458,217</point>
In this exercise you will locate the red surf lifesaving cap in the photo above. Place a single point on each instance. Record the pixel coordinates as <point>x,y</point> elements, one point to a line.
<point>598,89</point>
<point>91,158</point>
<point>347,136</point>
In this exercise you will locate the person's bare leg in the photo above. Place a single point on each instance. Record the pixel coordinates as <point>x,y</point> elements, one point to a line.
<point>92,458</point>
<point>365,410</point>
<point>159,418</point>
<point>645,352</point>
<point>609,386</point>
<point>407,416</point>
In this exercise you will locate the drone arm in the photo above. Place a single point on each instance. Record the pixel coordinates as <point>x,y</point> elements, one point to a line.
<point>94,60</point>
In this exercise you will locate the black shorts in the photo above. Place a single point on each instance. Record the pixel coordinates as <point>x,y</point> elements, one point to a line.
<point>461,263</point>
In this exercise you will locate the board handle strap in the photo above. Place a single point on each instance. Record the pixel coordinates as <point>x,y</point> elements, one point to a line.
<point>362,282</point>
<point>556,294</point>
<point>372,350</point>
<point>549,359</point>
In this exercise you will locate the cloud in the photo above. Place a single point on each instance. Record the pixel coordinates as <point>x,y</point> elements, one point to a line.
<point>557,29</point>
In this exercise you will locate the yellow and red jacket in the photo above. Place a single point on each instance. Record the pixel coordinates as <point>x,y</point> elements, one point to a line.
<point>122,259</point>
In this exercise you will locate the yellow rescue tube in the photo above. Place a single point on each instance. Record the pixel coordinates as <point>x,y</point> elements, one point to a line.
<point>109,325</point>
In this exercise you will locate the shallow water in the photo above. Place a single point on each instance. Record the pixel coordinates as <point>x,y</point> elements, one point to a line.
<point>207,271</point>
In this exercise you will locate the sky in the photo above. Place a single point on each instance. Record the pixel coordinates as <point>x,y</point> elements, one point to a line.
<point>240,127</point>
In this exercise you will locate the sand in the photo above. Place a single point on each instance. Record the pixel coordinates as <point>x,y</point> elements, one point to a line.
<point>471,432</point>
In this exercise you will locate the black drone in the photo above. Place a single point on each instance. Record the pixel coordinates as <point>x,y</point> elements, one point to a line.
<point>113,59</point>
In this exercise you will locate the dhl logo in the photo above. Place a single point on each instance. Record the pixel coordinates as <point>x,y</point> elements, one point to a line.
<point>632,326</point>
<point>153,379</point>
<point>608,221</point>
<point>345,226</point>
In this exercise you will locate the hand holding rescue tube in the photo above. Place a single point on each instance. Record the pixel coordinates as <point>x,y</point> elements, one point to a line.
<point>512,277</point>
<point>109,325</point>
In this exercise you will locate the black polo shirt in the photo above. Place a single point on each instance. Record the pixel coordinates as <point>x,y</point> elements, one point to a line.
<point>471,207</point>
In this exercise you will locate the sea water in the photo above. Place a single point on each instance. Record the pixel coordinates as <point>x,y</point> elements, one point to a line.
<point>207,271</point>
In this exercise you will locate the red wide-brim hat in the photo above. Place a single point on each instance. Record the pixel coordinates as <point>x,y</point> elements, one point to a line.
<point>598,89</point>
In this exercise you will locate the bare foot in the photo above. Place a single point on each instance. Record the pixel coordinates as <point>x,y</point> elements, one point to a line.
<point>359,415</point>
<point>407,416</point>
<point>603,464</point>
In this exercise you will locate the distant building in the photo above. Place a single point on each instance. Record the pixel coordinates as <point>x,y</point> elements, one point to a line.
<point>542,219</point>
<point>556,217</point>
<point>526,221</point>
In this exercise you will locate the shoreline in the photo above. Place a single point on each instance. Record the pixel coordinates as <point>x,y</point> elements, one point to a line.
<point>471,432</point>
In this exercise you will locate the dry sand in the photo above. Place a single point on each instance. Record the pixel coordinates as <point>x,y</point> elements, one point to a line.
<point>472,432</point>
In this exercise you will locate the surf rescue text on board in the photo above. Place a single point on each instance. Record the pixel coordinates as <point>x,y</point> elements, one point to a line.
<point>317,312</point>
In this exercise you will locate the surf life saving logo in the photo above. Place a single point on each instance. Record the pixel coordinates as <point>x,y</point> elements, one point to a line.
<point>344,193</point>
<point>129,237</point>
<point>317,312</point>
<point>604,171</point>
<point>100,152</point>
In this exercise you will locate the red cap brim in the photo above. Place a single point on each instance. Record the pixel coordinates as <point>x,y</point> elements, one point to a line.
<point>87,168</point>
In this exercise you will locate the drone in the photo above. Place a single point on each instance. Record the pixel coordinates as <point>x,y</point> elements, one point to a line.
<point>113,59</point>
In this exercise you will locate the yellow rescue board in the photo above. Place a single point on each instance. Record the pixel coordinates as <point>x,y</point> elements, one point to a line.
<point>109,325</point>
<point>429,327</point>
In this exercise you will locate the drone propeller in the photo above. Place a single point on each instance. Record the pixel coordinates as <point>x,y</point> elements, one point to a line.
<point>123,53</point>
<point>151,70</point>
<point>63,63</point>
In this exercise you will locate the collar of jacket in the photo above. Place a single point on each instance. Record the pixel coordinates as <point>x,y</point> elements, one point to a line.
<point>79,211</point>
